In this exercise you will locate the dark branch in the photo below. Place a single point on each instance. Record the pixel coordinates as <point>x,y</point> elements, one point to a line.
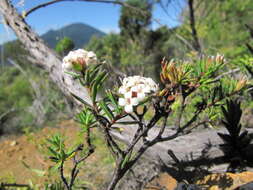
<point>62,176</point>
<point>196,43</point>
<point>13,185</point>
<point>92,1</point>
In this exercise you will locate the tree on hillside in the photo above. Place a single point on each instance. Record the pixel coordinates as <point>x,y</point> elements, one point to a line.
<point>64,46</point>
<point>133,21</point>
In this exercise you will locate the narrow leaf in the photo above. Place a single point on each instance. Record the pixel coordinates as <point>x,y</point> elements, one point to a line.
<point>106,109</point>
<point>82,101</point>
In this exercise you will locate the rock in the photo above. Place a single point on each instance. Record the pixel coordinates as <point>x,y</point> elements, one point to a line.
<point>184,186</point>
<point>162,181</point>
<point>248,186</point>
<point>187,148</point>
<point>140,175</point>
<point>226,181</point>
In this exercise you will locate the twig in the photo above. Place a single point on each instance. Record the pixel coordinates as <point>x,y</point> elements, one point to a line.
<point>198,124</point>
<point>62,175</point>
<point>161,131</point>
<point>226,73</point>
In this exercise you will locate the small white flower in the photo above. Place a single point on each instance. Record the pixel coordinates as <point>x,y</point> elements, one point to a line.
<point>134,90</point>
<point>128,108</point>
<point>141,96</point>
<point>128,94</point>
<point>134,101</point>
<point>91,58</point>
<point>80,56</point>
<point>122,102</point>
<point>122,90</point>
<point>146,89</point>
<point>66,66</point>
<point>91,54</point>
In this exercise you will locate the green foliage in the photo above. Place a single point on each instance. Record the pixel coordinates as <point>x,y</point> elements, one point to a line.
<point>15,95</point>
<point>137,49</point>
<point>57,151</point>
<point>107,48</point>
<point>223,27</point>
<point>134,20</point>
<point>18,100</point>
<point>245,64</point>
<point>133,57</point>
<point>199,80</point>
<point>54,186</point>
<point>86,119</point>
<point>14,50</point>
<point>64,46</point>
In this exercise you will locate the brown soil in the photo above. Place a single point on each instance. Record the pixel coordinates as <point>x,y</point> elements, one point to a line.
<point>28,149</point>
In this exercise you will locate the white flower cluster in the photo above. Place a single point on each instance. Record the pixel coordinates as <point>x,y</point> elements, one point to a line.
<point>81,57</point>
<point>135,89</point>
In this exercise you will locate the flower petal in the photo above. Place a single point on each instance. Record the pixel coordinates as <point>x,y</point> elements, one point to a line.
<point>140,96</point>
<point>128,108</point>
<point>128,94</point>
<point>122,102</point>
<point>134,101</point>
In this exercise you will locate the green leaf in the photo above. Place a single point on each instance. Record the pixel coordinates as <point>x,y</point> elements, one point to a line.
<point>52,142</point>
<point>82,101</point>
<point>87,77</point>
<point>114,102</point>
<point>54,159</point>
<point>106,109</point>
<point>94,71</point>
<point>73,74</point>
<point>94,91</point>
<point>77,67</point>
<point>125,161</point>
<point>63,155</point>
<point>53,152</point>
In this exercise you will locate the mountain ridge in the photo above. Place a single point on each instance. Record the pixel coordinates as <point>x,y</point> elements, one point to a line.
<point>80,33</point>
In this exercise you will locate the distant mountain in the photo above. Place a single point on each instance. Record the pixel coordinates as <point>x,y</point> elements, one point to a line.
<point>78,32</point>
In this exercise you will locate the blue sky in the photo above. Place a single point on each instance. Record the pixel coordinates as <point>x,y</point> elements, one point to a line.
<point>99,15</point>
